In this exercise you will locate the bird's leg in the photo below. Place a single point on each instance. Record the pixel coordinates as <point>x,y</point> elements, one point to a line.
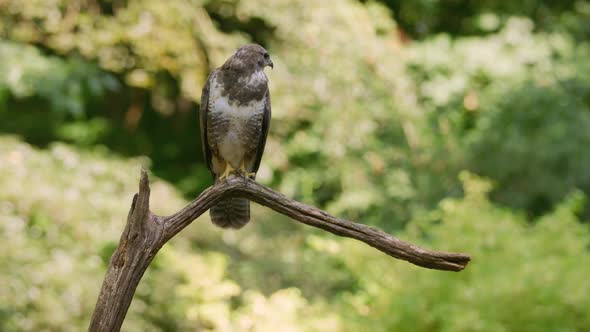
<point>244,171</point>
<point>228,170</point>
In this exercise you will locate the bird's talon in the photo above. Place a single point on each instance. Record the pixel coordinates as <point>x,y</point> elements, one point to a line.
<point>245,172</point>
<point>228,171</point>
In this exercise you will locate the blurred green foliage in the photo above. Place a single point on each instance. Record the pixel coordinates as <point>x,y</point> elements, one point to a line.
<point>61,216</point>
<point>514,106</point>
<point>383,112</point>
<point>523,277</point>
<point>422,18</point>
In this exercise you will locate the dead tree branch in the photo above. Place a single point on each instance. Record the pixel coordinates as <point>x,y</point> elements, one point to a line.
<point>145,233</point>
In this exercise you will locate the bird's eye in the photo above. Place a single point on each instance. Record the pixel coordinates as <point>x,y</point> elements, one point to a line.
<point>266,55</point>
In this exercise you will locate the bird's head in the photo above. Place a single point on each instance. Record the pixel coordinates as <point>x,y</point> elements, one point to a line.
<point>249,56</point>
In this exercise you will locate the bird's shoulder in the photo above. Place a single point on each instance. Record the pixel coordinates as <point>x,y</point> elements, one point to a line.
<point>216,87</point>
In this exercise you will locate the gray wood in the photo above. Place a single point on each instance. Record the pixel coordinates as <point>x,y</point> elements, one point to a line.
<point>145,233</point>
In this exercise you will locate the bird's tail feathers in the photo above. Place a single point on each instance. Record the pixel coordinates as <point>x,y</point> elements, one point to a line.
<point>231,212</point>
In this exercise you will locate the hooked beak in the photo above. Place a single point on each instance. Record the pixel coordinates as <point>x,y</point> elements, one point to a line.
<point>270,64</point>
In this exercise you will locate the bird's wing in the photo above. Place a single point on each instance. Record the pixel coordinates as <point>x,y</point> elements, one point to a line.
<point>204,109</point>
<point>264,131</point>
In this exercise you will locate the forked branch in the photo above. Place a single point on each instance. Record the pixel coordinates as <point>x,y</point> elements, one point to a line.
<point>145,233</point>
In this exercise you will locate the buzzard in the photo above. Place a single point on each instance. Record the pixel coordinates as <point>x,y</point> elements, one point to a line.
<point>235,116</point>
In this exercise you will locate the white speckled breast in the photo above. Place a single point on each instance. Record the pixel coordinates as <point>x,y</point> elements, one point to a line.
<point>234,129</point>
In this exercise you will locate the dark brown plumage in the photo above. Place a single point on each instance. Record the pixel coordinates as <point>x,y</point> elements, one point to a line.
<point>235,118</point>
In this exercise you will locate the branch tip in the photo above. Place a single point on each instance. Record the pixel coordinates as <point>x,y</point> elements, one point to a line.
<point>141,200</point>
<point>144,182</point>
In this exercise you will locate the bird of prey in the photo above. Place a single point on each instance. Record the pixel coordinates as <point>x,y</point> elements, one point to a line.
<point>235,117</point>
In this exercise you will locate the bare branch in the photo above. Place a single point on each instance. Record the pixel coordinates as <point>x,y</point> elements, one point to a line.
<point>145,233</point>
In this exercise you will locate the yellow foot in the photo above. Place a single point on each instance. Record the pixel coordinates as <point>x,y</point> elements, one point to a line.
<point>245,172</point>
<point>228,170</point>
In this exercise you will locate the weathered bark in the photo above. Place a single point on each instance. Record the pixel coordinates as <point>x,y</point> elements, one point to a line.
<point>145,233</point>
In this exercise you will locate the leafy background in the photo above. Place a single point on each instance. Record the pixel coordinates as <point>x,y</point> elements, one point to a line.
<point>459,125</point>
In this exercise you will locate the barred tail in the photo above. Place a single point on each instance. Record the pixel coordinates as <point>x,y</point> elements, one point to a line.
<point>231,213</point>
